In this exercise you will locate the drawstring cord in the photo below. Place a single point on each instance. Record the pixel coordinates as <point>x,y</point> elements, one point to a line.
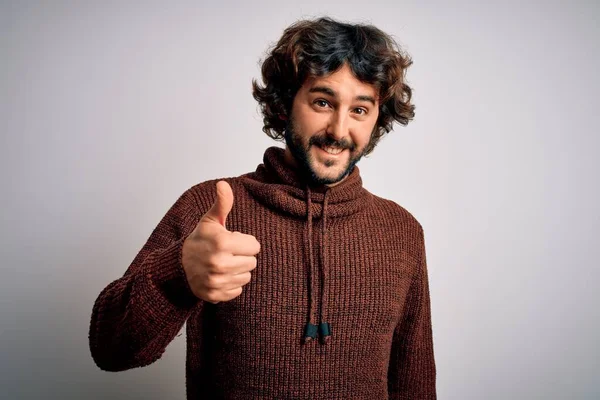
<point>324,328</point>
<point>310,330</point>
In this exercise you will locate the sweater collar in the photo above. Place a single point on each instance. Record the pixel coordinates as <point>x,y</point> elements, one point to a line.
<point>279,186</point>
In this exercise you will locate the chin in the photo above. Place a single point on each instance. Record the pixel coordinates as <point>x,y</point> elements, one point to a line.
<point>327,179</point>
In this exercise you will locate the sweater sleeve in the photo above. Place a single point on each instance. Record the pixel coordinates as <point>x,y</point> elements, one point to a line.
<point>412,371</point>
<point>135,317</point>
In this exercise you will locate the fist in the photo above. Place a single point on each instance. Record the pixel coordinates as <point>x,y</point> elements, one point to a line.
<point>217,262</point>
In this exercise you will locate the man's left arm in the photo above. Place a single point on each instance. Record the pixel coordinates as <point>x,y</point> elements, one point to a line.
<point>412,371</point>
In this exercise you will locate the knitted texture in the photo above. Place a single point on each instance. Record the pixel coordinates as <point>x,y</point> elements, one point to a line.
<point>342,259</point>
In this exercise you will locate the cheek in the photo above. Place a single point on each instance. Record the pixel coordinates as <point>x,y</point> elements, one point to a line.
<point>309,123</point>
<point>363,135</point>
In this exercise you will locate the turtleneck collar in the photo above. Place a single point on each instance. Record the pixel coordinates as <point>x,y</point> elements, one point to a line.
<point>279,186</point>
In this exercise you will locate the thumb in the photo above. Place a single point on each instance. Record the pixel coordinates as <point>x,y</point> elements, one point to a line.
<point>222,205</point>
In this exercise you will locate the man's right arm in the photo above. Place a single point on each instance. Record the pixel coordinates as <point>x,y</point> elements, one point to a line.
<point>135,317</point>
<point>184,264</point>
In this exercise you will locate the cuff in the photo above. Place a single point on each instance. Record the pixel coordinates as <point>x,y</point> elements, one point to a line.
<point>167,274</point>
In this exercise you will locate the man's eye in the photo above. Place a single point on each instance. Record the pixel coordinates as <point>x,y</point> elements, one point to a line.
<point>360,111</point>
<point>321,103</point>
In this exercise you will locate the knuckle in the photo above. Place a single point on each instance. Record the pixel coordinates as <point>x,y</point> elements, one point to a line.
<point>215,262</point>
<point>220,243</point>
<point>213,281</point>
<point>210,296</point>
<point>211,261</point>
<point>232,294</point>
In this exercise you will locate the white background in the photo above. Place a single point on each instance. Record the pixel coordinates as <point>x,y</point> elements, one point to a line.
<point>110,111</point>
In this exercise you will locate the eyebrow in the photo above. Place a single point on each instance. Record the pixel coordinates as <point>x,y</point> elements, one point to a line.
<point>330,92</point>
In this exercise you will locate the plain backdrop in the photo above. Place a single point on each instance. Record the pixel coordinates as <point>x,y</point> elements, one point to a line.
<point>110,110</point>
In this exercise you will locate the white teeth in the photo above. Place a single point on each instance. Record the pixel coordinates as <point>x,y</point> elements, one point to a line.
<point>331,150</point>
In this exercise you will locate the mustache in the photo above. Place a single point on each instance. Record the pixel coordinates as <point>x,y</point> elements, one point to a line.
<point>328,141</point>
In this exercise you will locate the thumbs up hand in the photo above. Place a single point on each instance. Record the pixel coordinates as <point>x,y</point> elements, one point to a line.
<point>217,262</point>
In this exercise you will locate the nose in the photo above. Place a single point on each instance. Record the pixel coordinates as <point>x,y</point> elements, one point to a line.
<point>338,126</point>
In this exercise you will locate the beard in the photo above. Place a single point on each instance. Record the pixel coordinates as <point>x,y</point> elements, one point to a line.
<point>306,162</point>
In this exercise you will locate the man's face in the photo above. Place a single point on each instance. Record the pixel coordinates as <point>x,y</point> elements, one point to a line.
<point>330,125</point>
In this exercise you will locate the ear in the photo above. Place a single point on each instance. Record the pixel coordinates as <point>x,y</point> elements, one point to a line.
<point>283,117</point>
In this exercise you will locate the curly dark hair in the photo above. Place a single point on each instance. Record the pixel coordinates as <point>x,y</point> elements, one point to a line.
<point>315,48</point>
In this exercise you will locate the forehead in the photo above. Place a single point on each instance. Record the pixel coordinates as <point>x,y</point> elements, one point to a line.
<point>343,83</point>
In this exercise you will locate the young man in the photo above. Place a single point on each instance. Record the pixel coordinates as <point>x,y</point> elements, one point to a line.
<point>263,264</point>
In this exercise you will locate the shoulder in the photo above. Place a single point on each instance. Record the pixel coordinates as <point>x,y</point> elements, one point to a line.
<point>393,213</point>
<point>401,227</point>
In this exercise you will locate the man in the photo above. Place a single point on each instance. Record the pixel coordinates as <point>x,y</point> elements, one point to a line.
<point>294,280</point>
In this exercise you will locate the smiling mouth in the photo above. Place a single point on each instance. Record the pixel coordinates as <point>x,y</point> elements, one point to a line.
<point>333,151</point>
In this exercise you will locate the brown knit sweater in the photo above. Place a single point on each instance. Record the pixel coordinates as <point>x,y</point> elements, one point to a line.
<point>340,256</point>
